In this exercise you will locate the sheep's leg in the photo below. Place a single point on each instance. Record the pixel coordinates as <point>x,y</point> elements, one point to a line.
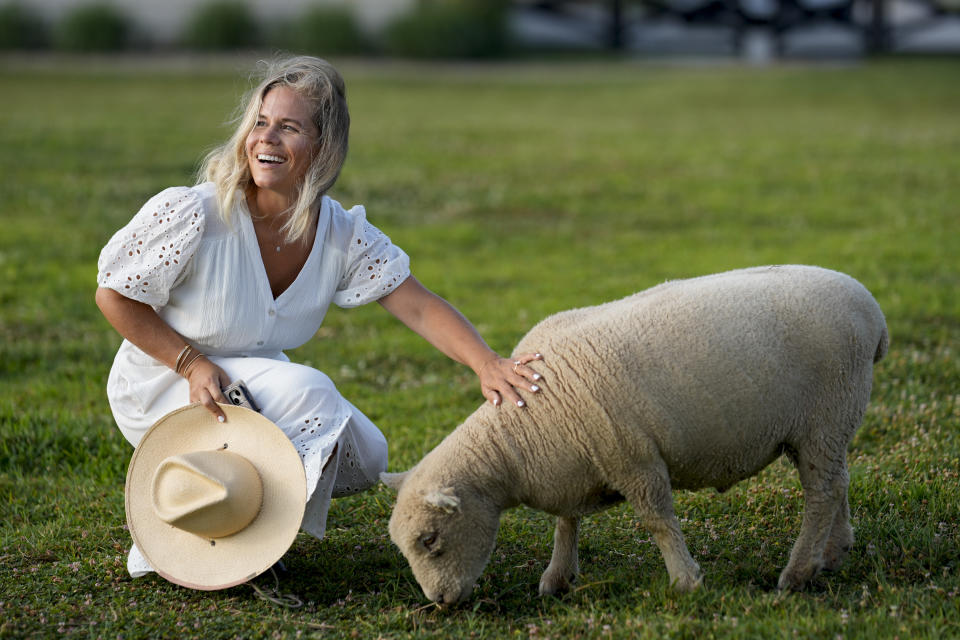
<point>824,479</point>
<point>649,493</point>
<point>564,565</point>
<point>841,537</point>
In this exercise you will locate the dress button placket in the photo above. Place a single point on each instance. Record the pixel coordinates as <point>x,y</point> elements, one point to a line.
<point>271,313</point>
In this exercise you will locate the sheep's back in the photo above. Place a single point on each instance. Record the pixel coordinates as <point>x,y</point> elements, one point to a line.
<point>707,365</point>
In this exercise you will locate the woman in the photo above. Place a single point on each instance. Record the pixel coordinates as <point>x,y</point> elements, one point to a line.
<point>209,284</point>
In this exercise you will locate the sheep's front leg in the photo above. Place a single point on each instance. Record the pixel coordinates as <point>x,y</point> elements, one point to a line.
<point>649,493</point>
<point>564,565</point>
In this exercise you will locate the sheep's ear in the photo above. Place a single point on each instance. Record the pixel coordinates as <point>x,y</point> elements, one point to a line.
<point>394,480</point>
<point>444,499</point>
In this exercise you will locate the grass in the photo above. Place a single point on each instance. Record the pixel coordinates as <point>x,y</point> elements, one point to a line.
<point>518,191</point>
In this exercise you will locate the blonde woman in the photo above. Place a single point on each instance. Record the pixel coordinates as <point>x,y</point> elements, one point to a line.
<point>210,284</point>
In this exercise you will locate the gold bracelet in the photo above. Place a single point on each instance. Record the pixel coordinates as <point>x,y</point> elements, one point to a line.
<point>189,365</point>
<point>184,362</point>
<point>183,352</point>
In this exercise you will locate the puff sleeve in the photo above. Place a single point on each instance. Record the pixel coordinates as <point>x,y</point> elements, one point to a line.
<point>147,257</point>
<point>374,265</point>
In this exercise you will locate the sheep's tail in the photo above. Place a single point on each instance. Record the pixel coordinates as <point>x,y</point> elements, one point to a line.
<point>883,345</point>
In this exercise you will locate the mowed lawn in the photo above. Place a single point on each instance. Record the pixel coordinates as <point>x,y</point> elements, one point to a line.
<point>518,191</point>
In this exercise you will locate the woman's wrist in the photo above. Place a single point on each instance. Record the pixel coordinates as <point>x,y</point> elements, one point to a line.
<point>186,360</point>
<point>178,364</point>
<point>491,359</point>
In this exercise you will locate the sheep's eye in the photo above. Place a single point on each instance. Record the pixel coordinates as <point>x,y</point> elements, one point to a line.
<point>428,540</point>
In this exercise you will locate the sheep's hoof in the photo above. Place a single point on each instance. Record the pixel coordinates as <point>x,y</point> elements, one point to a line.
<point>554,583</point>
<point>793,579</point>
<point>687,582</point>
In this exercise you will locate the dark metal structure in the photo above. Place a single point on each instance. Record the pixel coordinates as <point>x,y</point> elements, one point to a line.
<point>869,19</point>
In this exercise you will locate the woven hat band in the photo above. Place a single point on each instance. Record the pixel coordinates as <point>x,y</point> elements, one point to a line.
<point>211,494</point>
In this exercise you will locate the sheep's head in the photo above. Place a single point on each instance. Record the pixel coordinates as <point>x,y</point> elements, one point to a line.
<point>446,535</point>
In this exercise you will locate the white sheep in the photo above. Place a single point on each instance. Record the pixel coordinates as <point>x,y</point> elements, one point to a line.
<point>691,384</point>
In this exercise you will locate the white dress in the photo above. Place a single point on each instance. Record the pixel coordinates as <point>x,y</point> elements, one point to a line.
<point>207,281</point>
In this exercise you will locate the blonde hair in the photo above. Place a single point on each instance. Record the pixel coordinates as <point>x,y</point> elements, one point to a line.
<point>321,84</point>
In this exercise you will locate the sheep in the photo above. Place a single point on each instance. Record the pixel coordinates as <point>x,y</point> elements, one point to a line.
<point>690,384</point>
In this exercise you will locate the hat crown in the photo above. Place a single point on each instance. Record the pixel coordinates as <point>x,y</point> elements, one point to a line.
<point>212,494</point>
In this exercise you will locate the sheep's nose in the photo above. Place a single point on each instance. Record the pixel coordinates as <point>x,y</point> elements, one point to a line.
<point>447,598</point>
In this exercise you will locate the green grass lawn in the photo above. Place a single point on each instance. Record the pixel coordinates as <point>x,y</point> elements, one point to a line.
<point>518,191</point>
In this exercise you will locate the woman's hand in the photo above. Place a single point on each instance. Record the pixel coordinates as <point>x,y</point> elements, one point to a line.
<point>501,377</point>
<point>206,383</point>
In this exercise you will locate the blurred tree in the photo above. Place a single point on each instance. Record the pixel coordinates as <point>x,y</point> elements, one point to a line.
<point>451,29</point>
<point>92,27</point>
<point>322,30</point>
<point>21,28</point>
<point>222,25</point>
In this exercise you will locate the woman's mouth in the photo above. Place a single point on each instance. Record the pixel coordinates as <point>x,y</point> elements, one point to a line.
<point>268,158</point>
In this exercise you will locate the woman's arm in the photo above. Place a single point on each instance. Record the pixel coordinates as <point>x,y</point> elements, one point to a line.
<point>437,321</point>
<point>140,324</point>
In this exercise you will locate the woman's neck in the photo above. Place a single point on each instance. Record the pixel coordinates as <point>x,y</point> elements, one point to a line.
<point>269,205</point>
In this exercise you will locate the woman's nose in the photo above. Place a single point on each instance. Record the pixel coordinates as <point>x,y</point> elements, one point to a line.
<point>269,134</point>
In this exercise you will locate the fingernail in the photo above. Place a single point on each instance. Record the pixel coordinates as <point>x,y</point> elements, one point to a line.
<point>537,355</point>
<point>521,403</point>
<point>537,376</point>
<point>496,402</point>
<point>220,418</point>
<point>534,388</point>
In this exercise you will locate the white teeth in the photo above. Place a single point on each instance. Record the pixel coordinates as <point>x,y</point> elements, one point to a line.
<point>263,157</point>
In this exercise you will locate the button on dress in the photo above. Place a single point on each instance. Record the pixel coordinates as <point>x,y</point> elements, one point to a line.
<point>205,278</point>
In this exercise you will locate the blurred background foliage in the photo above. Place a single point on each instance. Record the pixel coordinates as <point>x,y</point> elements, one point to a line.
<point>478,29</point>
<point>90,27</point>
<point>222,25</point>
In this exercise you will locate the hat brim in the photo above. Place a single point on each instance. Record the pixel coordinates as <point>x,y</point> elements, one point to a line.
<point>203,563</point>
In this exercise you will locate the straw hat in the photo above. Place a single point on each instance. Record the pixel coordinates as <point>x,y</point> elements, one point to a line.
<point>212,505</point>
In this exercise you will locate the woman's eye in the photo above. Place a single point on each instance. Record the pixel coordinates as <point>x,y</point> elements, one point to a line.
<point>290,128</point>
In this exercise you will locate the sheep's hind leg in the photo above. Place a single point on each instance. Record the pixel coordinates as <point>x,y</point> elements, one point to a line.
<point>564,564</point>
<point>649,493</point>
<point>841,537</point>
<point>825,518</point>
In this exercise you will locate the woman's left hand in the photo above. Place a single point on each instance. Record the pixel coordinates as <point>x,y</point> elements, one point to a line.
<point>500,378</point>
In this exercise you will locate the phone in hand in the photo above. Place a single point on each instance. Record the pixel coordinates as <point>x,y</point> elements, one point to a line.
<point>238,394</point>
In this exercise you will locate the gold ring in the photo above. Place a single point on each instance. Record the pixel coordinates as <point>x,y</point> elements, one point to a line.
<point>516,363</point>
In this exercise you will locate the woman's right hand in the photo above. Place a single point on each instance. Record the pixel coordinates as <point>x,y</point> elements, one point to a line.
<point>140,324</point>
<point>207,381</point>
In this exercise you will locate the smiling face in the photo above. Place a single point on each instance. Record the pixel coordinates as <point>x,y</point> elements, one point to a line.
<point>282,143</point>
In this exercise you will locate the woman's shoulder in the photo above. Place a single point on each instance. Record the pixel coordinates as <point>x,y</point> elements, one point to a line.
<point>202,195</point>
<point>197,204</point>
<point>173,205</point>
<point>340,213</point>
<point>343,221</point>
<point>352,221</point>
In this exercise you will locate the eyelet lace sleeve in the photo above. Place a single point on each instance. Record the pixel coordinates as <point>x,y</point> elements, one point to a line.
<point>145,259</point>
<point>374,267</point>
